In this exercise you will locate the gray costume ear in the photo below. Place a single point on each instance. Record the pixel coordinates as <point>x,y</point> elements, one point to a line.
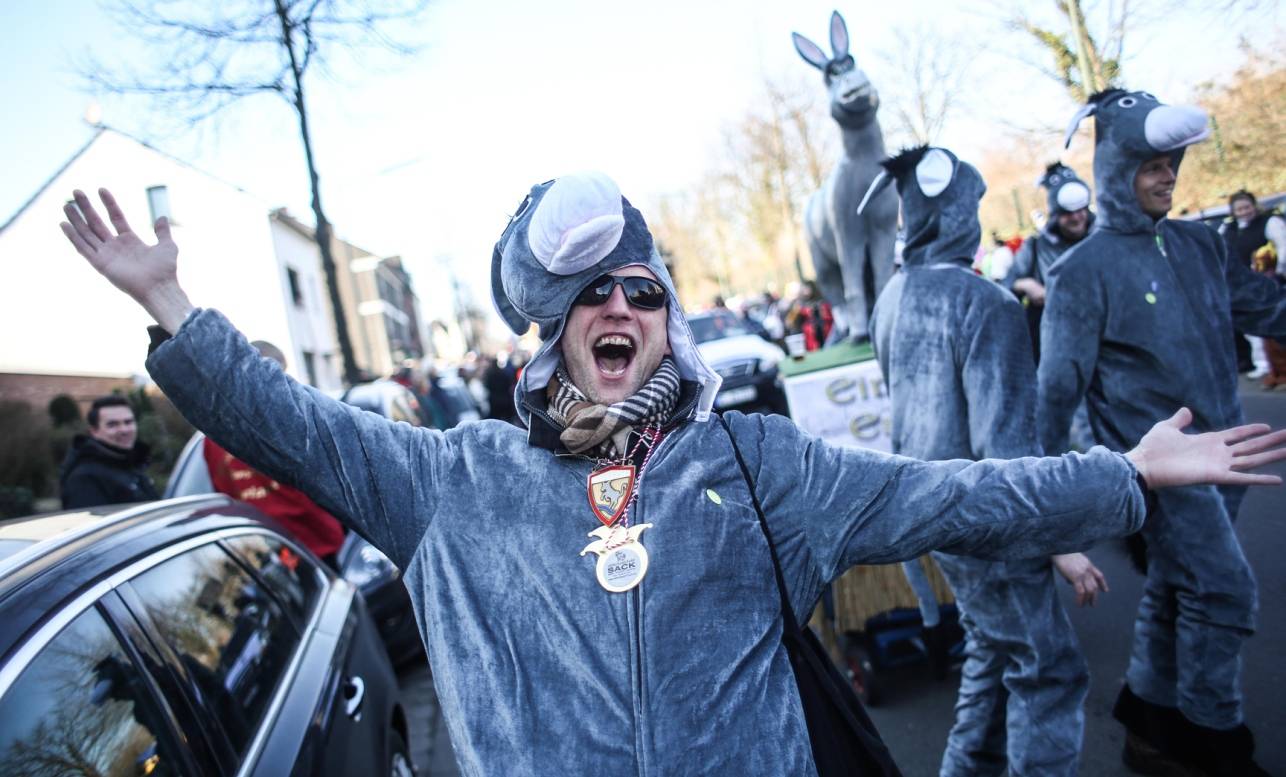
<point>811,52</point>
<point>839,35</point>
<point>1087,110</point>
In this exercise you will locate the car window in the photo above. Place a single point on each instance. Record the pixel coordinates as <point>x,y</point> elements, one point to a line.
<point>83,707</point>
<point>232,638</point>
<point>717,326</point>
<point>288,574</point>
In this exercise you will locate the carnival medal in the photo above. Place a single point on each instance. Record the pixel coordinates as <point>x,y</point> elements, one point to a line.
<point>609,492</point>
<point>622,559</point>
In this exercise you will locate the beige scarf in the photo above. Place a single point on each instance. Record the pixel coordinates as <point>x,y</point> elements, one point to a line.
<point>601,430</point>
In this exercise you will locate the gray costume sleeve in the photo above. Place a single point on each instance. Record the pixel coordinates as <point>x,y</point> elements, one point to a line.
<point>364,469</point>
<point>1024,265</point>
<point>1258,301</point>
<point>999,375</point>
<point>831,507</point>
<point>1069,341</point>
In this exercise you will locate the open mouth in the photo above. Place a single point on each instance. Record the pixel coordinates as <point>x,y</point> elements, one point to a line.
<point>613,354</point>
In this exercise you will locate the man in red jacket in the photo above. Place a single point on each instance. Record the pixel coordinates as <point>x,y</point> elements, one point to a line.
<point>317,529</point>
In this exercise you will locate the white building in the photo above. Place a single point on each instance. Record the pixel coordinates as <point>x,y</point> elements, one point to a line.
<point>60,318</point>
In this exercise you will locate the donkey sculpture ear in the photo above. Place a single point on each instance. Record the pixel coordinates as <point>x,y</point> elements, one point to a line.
<point>1087,110</point>
<point>839,35</point>
<point>811,52</point>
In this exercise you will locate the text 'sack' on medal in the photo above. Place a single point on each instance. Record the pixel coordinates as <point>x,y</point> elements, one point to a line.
<point>622,559</point>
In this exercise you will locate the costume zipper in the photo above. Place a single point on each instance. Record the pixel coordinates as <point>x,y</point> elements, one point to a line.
<point>642,738</point>
<point>1160,241</point>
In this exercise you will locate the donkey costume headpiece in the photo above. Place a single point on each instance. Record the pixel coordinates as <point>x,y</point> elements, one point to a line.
<point>1065,191</point>
<point>1129,129</point>
<point>565,234</point>
<point>940,195</point>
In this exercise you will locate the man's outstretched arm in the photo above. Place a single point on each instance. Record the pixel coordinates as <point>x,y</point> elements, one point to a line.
<point>830,507</point>
<point>367,471</point>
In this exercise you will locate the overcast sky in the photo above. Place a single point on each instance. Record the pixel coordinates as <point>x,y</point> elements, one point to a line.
<point>426,156</point>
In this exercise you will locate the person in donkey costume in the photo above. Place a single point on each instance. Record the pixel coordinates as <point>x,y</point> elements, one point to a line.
<point>1068,221</point>
<point>645,638</point>
<point>1138,321</point>
<point>955,352</point>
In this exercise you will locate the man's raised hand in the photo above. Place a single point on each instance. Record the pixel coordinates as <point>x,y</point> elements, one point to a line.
<point>1168,457</point>
<point>148,273</point>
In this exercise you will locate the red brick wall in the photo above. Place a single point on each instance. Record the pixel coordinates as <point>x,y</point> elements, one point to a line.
<point>37,390</point>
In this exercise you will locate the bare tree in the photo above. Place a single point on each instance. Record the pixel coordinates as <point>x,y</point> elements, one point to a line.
<point>929,72</point>
<point>738,228</point>
<point>208,56</point>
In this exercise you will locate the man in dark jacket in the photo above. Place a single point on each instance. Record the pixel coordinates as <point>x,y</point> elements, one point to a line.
<point>109,465</point>
<point>1139,318</point>
<point>1257,239</point>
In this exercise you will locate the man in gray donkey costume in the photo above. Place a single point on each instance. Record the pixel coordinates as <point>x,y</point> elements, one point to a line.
<point>955,353</point>
<point>1068,221</point>
<point>1138,321</point>
<point>573,632</point>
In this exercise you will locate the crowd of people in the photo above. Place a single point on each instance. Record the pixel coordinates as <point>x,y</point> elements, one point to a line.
<point>675,651</point>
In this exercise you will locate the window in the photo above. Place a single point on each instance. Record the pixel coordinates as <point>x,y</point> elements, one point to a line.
<point>158,201</point>
<point>296,291</point>
<point>83,707</point>
<point>230,635</point>
<point>290,575</point>
<point>310,367</point>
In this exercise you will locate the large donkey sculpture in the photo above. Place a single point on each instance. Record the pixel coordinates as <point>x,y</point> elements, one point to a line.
<point>852,253</point>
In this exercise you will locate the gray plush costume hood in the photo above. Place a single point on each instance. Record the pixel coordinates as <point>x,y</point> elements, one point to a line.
<point>1129,129</point>
<point>566,233</point>
<point>1065,192</point>
<point>940,196</point>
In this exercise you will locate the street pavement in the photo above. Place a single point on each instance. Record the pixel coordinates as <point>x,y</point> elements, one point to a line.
<point>917,712</point>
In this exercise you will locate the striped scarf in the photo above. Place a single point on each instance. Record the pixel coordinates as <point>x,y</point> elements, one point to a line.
<point>601,430</point>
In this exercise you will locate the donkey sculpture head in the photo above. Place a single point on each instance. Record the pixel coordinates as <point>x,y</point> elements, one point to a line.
<point>854,100</point>
<point>852,253</point>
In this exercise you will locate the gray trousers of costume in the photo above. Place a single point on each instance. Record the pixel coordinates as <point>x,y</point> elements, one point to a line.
<point>1024,680</point>
<point>1198,607</point>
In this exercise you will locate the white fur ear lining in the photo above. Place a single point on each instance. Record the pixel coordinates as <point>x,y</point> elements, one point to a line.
<point>577,223</point>
<point>1073,196</point>
<point>934,172</point>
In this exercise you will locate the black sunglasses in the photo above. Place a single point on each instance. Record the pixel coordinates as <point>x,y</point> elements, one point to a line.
<point>642,293</point>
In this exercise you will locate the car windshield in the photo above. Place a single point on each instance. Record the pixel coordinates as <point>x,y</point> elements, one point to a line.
<point>716,326</point>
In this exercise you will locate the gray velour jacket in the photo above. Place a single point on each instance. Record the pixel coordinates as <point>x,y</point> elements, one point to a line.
<point>539,669</point>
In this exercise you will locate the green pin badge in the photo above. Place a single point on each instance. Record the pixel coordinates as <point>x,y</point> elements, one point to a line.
<point>1151,298</point>
<point>713,497</point>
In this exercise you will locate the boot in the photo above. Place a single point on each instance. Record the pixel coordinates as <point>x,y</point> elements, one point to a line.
<point>1153,735</point>
<point>1221,753</point>
<point>936,647</point>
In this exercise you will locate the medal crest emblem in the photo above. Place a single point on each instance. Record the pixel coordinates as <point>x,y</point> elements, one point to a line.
<point>609,492</point>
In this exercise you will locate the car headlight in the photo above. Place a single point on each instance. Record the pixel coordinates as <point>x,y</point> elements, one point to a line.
<point>368,567</point>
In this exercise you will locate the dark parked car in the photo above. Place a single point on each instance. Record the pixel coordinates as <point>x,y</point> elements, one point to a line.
<point>186,637</point>
<point>360,563</point>
<point>747,362</point>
